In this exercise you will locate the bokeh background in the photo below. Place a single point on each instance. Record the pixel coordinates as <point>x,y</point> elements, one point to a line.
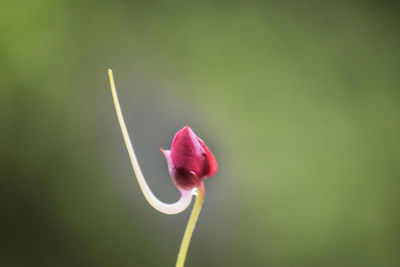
<point>299,101</point>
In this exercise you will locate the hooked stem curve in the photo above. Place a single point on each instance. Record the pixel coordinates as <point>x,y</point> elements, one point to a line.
<point>173,208</point>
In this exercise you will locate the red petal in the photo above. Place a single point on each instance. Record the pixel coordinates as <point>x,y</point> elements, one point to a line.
<point>189,160</point>
<point>211,163</point>
<point>187,153</point>
<point>183,179</point>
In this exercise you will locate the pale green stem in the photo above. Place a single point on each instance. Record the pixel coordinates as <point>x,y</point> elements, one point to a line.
<point>186,196</point>
<point>190,226</point>
<point>180,205</point>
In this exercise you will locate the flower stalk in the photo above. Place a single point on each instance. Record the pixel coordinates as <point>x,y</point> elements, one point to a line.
<point>189,161</point>
<point>174,208</point>
<point>190,226</point>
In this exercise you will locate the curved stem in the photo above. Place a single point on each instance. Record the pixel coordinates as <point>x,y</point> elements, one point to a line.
<point>174,208</point>
<point>190,226</point>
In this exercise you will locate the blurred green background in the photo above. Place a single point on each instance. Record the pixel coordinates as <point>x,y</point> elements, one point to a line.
<point>300,103</point>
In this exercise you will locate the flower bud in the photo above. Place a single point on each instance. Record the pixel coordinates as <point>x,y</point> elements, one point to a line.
<point>189,160</point>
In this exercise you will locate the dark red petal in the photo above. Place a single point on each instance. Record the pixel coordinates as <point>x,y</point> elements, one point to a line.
<point>211,165</point>
<point>187,153</point>
<point>185,179</point>
<point>189,160</point>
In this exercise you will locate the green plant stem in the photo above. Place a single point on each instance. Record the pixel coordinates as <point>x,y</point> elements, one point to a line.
<point>190,226</point>
<point>173,208</point>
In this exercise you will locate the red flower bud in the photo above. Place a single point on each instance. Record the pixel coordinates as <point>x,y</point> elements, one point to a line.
<point>189,160</point>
